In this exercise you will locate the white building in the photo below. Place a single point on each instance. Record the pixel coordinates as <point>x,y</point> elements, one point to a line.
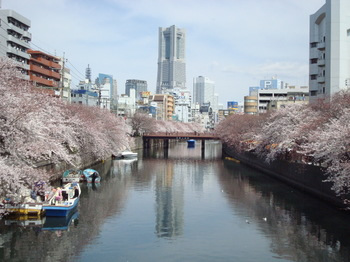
<point>182,105</point>
<point>66,80</point>
<point>15,38</point>
<point>291,93</point>
<point>127,104</point>
<point>85,93</point>
<point>329,49</point>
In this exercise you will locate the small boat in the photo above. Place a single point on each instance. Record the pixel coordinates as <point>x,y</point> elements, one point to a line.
<point>191,143</point>
<point>126,154</point>
<point>63,200</point>
<point>91,176</point>
<point>72,176</point>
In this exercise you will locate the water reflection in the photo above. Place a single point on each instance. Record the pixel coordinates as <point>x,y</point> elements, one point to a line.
<point>169,197</point>
<point>299,227</point>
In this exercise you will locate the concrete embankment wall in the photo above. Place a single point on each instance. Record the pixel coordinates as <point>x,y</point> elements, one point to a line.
<point>308,178</point>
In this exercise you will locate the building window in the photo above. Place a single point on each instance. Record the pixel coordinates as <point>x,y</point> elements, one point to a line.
<point>313,61</point>
<point>313,77</point>
<point>312,45</point>
<point>313,93</point>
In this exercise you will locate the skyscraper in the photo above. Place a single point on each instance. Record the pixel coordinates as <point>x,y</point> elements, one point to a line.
<point>171,59</point>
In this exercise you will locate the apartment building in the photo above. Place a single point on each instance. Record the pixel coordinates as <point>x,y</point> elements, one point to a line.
<point>15,38</point>
<point>329,68</point>
<point>44,69</point>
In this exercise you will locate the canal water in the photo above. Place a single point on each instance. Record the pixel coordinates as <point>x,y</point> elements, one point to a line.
<point>181,206</point>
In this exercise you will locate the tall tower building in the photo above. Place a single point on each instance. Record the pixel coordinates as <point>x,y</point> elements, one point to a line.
<point>329,49</point>
<point>171,59</point>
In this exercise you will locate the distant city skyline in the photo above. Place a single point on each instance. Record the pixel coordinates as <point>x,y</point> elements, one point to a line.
<point>234,48</point>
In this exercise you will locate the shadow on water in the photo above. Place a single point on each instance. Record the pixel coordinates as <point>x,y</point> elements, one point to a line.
<point>300,227</point>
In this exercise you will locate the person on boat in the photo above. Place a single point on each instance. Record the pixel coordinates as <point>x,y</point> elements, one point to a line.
<point>59,194</point>
<point>94,176</point>
<point>76,192</point>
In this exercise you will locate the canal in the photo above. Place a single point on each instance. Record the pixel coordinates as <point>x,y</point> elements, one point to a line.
<point>179,206</point>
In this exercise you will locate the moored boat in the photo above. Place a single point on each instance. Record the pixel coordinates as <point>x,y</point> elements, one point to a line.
<point>30,209</point>
<point>91,176</point>
<point>191,143</point>
<point>63,200</point>
<point>72,176</point>
<point>126,155</point>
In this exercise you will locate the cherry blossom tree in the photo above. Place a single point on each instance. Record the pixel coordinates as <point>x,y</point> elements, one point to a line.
<point>318,133</point>
<point>36,127</point>
<point>141,123</point>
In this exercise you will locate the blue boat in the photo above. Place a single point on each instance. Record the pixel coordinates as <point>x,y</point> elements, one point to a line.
<point>62,201</point>
<point>191,143</point>
<point>91,176</point>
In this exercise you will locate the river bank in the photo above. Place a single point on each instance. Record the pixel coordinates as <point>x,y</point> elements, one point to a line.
<point>307,178</point>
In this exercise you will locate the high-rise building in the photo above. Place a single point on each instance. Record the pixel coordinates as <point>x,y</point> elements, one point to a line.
<point>15,38</point>
<point>139,86</point>
<point>329,49</point>
<point>203,90</point>
<point>171,59</point>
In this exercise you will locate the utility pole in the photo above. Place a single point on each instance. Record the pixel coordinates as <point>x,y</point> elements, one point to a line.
<point>62,76</point>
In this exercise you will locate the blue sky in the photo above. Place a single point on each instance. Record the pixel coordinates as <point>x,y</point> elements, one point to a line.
<point>235,43</point>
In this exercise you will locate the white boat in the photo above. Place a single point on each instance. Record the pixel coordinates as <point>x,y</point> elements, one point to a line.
<point>63,200</point>
<point>126,154</point>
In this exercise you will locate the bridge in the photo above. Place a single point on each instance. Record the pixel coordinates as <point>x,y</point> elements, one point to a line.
<point>166,136</point>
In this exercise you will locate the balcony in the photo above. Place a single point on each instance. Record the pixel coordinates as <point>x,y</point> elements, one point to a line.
<point>45,72</point>
<point>321,62</point>
<point>18,41</point>
<point>17,52</point>
<point>27,35</point>
<point>321,46</point>
<point>321,79</point>
<point>43,81</point>
<point>46,62</point>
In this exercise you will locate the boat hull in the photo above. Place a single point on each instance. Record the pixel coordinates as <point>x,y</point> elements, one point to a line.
<point>60,210</point>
